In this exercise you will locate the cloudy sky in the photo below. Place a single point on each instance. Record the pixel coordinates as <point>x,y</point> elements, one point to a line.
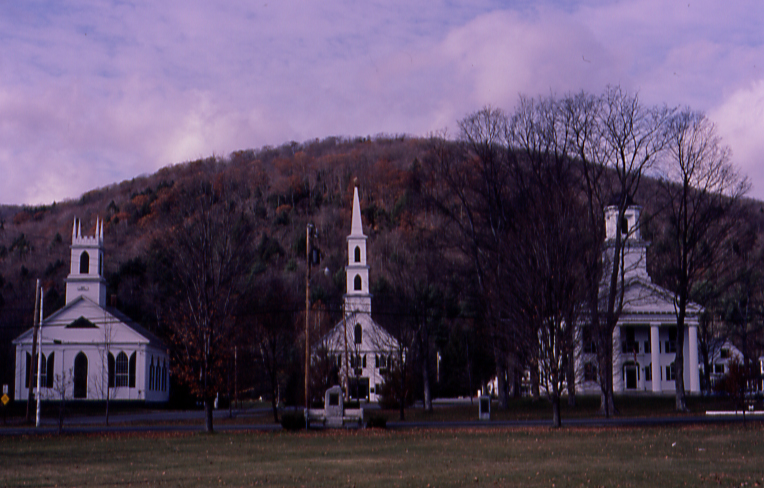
<point>95,92</point>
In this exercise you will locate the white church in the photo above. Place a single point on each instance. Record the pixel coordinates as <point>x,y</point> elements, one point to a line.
<point>645,339</point>
<point>362,349</point>
<point>91,349</point>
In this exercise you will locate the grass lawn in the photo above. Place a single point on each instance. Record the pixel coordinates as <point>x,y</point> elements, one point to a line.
<point>666,456</point>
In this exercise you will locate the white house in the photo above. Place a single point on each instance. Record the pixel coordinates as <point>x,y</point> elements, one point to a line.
<point>363,350</point>
<point>644,341</point>
<point>94,349</point>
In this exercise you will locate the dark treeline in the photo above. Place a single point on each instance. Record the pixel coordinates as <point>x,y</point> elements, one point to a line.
<point>484,249</point>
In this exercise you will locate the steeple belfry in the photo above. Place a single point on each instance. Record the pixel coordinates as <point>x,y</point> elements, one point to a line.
<point>86,271</point>
<point>357,298</point>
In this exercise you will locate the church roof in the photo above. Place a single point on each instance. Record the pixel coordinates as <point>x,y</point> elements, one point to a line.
<point>644,299</point>
<point>374,337</point>
<point>82,320</point>
<point>356,229</point>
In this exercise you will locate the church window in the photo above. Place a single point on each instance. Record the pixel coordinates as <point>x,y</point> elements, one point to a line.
<point>111,370</point>
<point>44,372</point>
<point>100,264</point>
<point>671,372</point>
<point>120,378</point>
<point>28,370</point>
<point>49,370</point>
<point>649,372</point>
<point>358,334</point>
<point>590,372</point>
<point>164,375</point>
<point>357,283</point>
<point>131,372</point>
<point>719,368</point>
<point>629,345</point>
<point>45,380</point>
<point>671,342</point>
<point>357,254</point>
<point>624,226</point>
<point>80,375</point>
<point>590,346</point>
<point>151,375</point>
<point>364,360</point>
<point>84,263</point>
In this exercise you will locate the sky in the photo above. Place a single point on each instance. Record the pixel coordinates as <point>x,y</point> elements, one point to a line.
<point>96,92</point>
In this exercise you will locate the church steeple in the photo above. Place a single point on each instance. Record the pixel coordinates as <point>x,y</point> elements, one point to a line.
<point>357,298</point>
<point>86,271</point>
<point>634,248</point>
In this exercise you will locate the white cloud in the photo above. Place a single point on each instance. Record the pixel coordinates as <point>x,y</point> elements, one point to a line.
<point>740,120</point>
<point>92,93</point>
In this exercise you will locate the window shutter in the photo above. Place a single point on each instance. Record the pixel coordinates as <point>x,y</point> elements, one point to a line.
<point>111,370</point>
<point>131,372</point>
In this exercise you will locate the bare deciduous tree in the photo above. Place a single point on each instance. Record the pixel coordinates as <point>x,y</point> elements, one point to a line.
<point>699,187</point>
<point>208,254</point>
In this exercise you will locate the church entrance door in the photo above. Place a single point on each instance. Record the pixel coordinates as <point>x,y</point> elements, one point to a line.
<point>630,374</point>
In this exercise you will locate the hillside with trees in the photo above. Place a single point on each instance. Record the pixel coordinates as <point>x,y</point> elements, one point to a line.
<point>483,248</point>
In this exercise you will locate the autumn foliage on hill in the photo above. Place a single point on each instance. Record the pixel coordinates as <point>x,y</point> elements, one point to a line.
<point>483,249</point>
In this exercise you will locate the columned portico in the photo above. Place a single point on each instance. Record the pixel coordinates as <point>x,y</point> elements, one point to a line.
<point>655,362</point>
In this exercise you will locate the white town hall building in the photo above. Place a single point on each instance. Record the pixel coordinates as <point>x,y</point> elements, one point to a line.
<point>644,341</point>
<point>95,349</point>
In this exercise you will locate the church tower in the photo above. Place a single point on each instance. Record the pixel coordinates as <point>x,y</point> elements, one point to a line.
<point>634,248</point>
<point>357,298</point>
<point>86,272</point>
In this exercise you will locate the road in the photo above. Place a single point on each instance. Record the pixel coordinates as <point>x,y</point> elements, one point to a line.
<point>193,421</point>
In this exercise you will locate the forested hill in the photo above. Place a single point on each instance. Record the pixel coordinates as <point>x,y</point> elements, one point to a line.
<point>419,198</point>
<point>287,187</point>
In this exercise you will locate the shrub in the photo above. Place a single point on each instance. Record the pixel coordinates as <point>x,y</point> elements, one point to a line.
<point>376,421</point>
<point>293,421</point>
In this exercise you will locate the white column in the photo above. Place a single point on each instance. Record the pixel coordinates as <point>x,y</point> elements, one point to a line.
<point>694,373</point>
<point>655,356</point>
<point>617,371</point>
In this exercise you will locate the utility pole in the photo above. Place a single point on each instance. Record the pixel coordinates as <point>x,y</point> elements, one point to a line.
<point>30,384</point>
<point>308,234</point>
<point>39,363</point>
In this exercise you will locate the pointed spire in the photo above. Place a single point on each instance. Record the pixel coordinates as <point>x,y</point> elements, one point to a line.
<point>357,226</point>
<point>74,229</point>
<point>100,233</point>
<point>79,228</point>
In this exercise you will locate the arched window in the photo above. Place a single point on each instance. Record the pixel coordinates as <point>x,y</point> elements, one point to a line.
<point>357,254</point>
<point>49,370</point>
<point>111,370</point>
<point>28,370</point>
<point>120,378</point>
<point>81,375</point>
<point>358,334</point>
<point>32,369</point>
<point>151,374</point>
<point>131,372</point>
<point>357,282</point>
<point>84,263</point>
<point>100,264</point>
